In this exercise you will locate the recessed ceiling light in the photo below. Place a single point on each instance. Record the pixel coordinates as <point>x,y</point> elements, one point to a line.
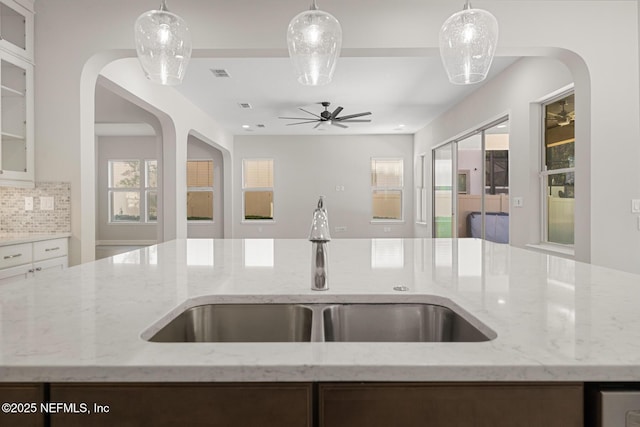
<point>501,126</point>
<point>400,125</point>
<point>245,126</point>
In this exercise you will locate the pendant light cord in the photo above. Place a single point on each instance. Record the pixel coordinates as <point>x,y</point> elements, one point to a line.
<point>163,6</point>
<point>314,6</point>
<point>467,5</point>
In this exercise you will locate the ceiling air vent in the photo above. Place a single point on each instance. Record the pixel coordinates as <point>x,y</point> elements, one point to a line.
<point>260,125</point>
<point>245,105</point>
<point>219,72</point>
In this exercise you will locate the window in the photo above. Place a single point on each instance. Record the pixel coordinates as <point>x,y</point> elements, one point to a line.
<point>386,189</point>
<point>200,190</point>
<point>133,191</point>
<point>558,170</point>
<point>257,189</point>
<point>421,190</point>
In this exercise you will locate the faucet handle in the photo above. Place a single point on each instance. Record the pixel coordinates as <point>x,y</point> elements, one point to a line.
<point>320,224</point>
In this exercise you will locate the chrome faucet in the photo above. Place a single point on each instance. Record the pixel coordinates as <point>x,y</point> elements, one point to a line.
<point>319,236</point>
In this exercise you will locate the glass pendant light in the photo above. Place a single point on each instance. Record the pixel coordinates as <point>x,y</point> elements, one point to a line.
<point>468,42</point>
<point>314,39</point>
<point>163,42</point>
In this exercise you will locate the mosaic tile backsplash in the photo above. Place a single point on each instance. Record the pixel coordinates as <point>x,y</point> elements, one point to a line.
<point>15,219</point>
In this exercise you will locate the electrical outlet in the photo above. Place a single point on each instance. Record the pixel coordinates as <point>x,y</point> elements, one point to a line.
<point>46,203</point>
<point>341,228</point>
<point>387,229</point>
<point>28,203</point>
<point>635,206</point>
<point>518,202</point>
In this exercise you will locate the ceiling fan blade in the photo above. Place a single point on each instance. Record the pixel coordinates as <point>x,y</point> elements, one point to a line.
<point>316,126</point>
<point>351,116</point>
<point>356,121</point>
<point>339,125</point>
<point>296,118</point>
<point>335,113</point>
<point>301,123</point>
<point>309,112</point>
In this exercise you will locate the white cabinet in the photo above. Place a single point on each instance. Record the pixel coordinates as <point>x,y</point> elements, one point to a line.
<point>16,94</point>
<point>20,261</point>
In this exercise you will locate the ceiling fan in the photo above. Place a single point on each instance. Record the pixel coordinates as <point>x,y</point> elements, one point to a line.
<point>329,117</point>
<point>563,118</point>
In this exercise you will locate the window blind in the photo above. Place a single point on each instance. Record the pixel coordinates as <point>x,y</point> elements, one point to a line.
<point>200,173</point>
<point>258,173</point>
<point>386,173</point>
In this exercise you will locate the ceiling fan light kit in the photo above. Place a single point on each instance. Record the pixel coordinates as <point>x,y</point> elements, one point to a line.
<point>468,42</point>
<point>163,44</point>
<point>314,39</point>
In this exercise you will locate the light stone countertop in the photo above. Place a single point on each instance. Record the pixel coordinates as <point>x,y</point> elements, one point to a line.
<point>7,239</point>
<point>555,319</point>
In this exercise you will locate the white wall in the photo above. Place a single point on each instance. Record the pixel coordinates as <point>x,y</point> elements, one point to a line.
<point>198,150</point>
<point>598,40</point>
<point>111,108</point>
<point>307,167</point>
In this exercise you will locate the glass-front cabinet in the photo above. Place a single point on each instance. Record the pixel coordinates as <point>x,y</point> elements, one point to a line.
<point>16,97</point>
<point>16,27</point>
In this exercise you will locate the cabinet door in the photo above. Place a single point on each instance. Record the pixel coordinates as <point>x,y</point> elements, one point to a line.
<point>16,27</point>
<point>14,274</point>
<point>54,264</point>
<point>451,405</point>
<point>16,120</point>
<point>178,404</point>
<point>25,394</point>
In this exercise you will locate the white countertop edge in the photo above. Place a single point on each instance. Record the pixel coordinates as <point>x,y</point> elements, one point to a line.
<point>308,373</point>
<point>7,239</point>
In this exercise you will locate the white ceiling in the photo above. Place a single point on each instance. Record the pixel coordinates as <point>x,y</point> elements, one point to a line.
<point>402,93</point>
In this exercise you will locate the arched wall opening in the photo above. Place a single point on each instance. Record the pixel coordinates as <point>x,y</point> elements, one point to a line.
<point>176,133</point>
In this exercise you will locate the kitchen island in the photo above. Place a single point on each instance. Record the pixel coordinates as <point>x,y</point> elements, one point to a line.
<point>555,320</point>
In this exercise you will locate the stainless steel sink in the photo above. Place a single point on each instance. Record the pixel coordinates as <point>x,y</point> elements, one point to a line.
<point>239,323</point>
<point>397,323</point>
<point>339,322</point>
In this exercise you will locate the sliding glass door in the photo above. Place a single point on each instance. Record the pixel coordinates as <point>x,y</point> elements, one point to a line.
<point>496,185</point>
<point>443,191</point>
<point>470,186</point>
<point>480,208</point>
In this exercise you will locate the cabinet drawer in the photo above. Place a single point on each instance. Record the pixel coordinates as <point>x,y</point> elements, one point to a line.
<point>15,255</point>
<point>49,249</point>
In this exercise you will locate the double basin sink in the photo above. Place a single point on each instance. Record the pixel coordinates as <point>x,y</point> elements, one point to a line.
<point>357,322</point>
